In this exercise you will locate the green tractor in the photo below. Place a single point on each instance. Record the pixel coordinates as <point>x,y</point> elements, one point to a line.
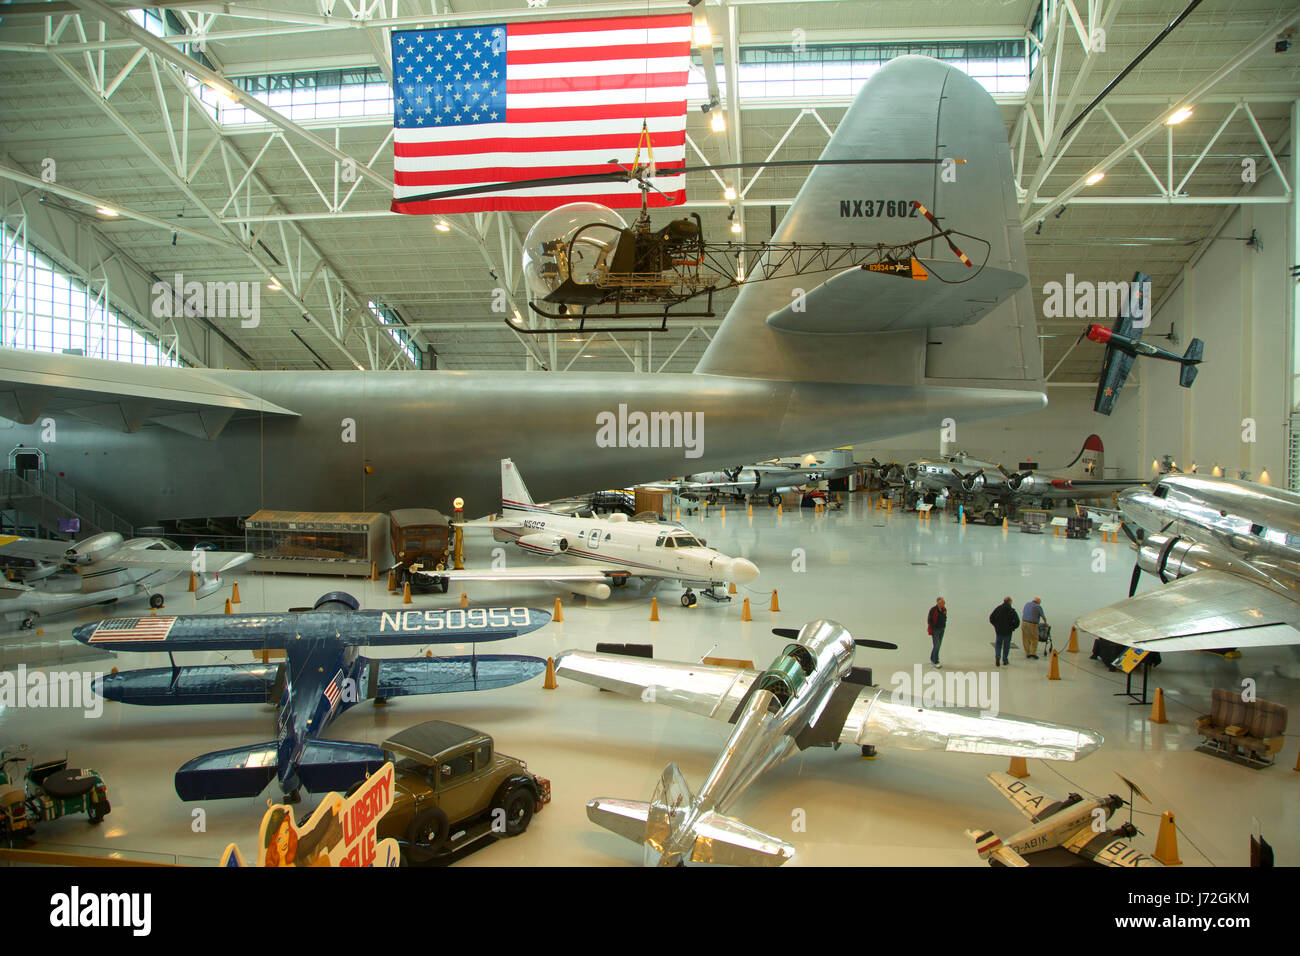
<point>48,791</point>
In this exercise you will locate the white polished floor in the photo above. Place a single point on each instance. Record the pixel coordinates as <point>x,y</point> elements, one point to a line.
<point>874,572</point>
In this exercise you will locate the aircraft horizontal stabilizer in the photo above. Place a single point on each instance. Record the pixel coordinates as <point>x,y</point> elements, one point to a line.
<point>227,774</point>
<point>725,840</point>
<point>991,848</point>
<point>860,301</point>
<point>328,765</point>
<point>627,818</point>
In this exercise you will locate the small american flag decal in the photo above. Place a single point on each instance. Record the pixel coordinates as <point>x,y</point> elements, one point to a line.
<point>132,629</point>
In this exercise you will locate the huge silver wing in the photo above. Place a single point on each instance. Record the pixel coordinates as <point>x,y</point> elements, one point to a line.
<point>876,719</point>
<point>1202,611</point>
<point>702,689</point>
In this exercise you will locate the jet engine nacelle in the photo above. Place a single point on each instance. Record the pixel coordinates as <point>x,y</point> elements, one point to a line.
<point>1169,558</point>
<point>94,548</point>
<point>550,543</point>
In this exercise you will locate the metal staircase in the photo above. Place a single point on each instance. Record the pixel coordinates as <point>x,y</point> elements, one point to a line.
<point>47,498</point>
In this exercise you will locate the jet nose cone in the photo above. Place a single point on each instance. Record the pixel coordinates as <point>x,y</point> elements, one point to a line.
<point>742,571</point>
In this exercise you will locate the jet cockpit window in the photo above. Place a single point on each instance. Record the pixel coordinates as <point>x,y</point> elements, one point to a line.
<point>1160,491</point>
<point>660,542</point>
<point>670,543</point>
<point>686,541</point>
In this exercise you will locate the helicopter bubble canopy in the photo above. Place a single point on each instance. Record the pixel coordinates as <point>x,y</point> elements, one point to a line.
<point>574,241</point>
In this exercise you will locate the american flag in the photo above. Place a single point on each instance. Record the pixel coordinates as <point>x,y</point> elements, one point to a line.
<point>332,691</point>
<point>492,104</point>
<point>133,629</point>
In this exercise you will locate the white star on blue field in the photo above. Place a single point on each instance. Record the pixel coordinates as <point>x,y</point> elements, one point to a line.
<point>451,77</point>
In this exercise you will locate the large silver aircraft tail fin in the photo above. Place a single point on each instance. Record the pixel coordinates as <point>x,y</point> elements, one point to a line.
<point>672,832</point>
<point>847,325</point>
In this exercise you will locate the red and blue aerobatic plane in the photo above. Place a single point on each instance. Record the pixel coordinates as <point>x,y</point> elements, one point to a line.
<point>322,675</point>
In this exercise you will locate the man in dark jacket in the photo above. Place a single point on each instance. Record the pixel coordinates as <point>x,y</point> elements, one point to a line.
<point>935,622</point>
<point>1005,620</point>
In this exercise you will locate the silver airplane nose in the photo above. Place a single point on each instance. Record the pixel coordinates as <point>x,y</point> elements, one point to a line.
<point>742,571</point>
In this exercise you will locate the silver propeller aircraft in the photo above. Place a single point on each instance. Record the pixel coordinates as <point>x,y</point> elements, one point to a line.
<point>1073,824</point>
<point>52,577</point>
<point>1227,554</point>
<point>606,551</point>
<point>771,478</point>
<point>805,698</point>
<point>855,360</point>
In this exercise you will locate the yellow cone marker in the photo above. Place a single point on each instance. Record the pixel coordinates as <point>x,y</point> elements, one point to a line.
<point>744,612</point>
<point>1158,708</point>
<point>558,616</point>
<point>1167,841</point>
<point>751,511</point>
<point>731,587</point>
<point>550,682</point>
<point>392,582</point>
<point>228,610</point>
<point>724,511</point>
<point>194,582</point>
<point>1073,646</point>
<point>654,609</point>
<point>1018,768</point>
<point>406,593</point>
<point>464,599</point>
<point>776,605</point>
<point>1054,671</point>
<point>234,594</point>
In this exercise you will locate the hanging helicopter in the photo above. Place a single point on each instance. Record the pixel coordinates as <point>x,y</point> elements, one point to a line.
<point>582,260</point>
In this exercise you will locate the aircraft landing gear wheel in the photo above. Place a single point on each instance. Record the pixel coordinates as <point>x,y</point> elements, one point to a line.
<point>774,499</point>
<point>155,601</point>
<point>868,751</point>
<point>991,518</point>
<point>689,599</point>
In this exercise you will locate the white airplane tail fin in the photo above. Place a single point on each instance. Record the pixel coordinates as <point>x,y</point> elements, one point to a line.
<point>673,833</point>
<point>514,493</point>
<point>991,848</point>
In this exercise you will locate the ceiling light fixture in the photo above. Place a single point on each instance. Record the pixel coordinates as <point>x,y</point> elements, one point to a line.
<point>1178,116</point>
<point>729,193</point>
<point>703,36</point>
<point>442,225</point>
<point>107,211</point>
<point>719,122</point>
<point>1094,179</point>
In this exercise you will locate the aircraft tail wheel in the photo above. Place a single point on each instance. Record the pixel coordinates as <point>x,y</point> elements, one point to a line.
<point>689,599</point>
<point>155,601</point>
<point>774,499</point>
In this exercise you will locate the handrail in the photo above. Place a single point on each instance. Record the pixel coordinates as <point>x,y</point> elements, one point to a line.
<point>63,493</point>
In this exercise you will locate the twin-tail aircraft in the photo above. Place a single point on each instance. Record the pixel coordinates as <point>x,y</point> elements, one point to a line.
<point>322,676</point>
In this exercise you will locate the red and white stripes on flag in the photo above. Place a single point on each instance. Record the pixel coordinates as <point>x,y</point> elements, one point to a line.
<point>492,104</point>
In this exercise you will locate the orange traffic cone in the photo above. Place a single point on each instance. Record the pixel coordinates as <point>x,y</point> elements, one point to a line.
<point>1073,646</point>
<point>234,594</point>
<point>1054,671</point>
<point>194,582</point>
<point>654,609</point>
<point>406,593</point>
<point>744,612</point>
<point>1018,768</point>
<point>392,582</point>
<point>550,682</point>
<point>374,570</point>
<point>1158,708</point>
<point>558,616</point>
<point>1004,524</point>
<point>751,511</point>
<point>724,511</point>
<point>1167,841</point>
<point>228,610</point>
<point>731,587</point>
<point>464,599</point>
<point>776,606</point>
<point>778,510</point>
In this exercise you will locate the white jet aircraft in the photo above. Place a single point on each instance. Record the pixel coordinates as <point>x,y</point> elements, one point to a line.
<point>43,578</point>
<point>602,551</point>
